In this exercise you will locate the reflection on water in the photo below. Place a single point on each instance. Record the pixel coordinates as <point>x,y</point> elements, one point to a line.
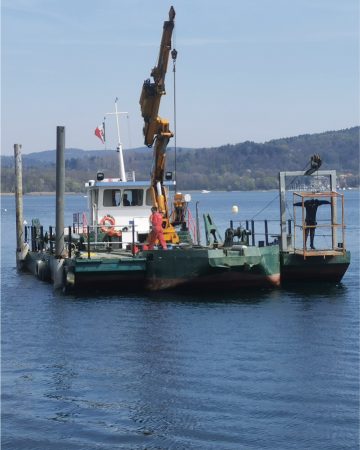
<point>263,369</point>
<point>315,291</point>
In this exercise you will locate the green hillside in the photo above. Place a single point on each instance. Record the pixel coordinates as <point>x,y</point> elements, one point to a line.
<point>244,166</point>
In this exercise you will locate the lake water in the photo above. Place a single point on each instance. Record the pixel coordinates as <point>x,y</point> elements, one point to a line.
<point>266,370</point>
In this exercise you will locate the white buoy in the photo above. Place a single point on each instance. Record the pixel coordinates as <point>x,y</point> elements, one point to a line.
<point>187,198</point>
<point>235,209</point>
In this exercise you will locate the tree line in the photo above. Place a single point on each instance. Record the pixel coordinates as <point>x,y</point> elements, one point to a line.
<point>244,166</point>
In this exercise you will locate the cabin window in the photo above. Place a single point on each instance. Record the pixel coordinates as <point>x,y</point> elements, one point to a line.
<point>148,197</point>
<point>133,197</point>
<point>111,197</point>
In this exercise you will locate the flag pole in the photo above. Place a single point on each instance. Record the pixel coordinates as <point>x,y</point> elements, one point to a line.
<point>119,146</point>
<point>104,132</point>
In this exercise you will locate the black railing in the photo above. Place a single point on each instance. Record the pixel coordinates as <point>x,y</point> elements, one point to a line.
<point>261,232</point>
<point>76,242</point>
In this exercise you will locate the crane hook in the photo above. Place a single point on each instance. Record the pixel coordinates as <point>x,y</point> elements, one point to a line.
<point>172,14</point>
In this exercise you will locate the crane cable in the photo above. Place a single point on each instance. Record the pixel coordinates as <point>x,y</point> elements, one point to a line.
<point>174,55</point>
<point>277,196</point>
<point>289,185</point>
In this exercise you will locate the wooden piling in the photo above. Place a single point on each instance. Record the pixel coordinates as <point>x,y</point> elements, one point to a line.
<point>60,191</point>
<point>58,261</point>
<point>20,246</point>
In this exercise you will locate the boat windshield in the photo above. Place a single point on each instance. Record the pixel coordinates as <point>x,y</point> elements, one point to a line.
<point>126,197</point>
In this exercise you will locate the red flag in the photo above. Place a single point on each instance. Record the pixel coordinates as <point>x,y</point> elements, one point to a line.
<point>99,132</point>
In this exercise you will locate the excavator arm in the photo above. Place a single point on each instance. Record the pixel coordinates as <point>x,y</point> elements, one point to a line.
<point>156,130</point>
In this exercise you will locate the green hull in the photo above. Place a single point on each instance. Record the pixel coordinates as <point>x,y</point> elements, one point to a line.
<point>219,269</point>
<point>123,272</point>
<point>294,268</point>
<point>192,267</point>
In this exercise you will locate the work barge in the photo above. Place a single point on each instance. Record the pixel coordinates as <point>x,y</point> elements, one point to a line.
<point>253,255</point>
<point>108,247</point>
<point>84,256</point>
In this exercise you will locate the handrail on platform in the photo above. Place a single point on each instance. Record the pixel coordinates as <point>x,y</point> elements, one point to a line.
<point>308,222</point>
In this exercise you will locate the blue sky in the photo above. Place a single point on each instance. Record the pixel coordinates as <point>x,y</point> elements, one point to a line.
<point>246,69</point>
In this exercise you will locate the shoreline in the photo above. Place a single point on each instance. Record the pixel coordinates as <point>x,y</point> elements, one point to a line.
<point>6,194</point>
<point>39,194</point>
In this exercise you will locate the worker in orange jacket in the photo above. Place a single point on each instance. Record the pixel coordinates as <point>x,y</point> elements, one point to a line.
<point>156,232</point>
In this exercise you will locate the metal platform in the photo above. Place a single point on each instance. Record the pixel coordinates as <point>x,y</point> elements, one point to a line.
<point>320,252</point>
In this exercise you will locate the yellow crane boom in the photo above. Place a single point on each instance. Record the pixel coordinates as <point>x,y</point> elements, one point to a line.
<point>152,91</point>
<point>156,130</point>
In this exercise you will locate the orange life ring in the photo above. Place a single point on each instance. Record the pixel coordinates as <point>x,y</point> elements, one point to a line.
<point>107,225</point>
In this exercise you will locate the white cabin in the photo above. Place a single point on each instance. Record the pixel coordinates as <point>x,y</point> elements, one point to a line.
<point>128,202</point>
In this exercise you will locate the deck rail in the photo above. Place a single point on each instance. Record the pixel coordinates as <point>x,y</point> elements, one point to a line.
<point>84,238</point>
<point>260,232</point>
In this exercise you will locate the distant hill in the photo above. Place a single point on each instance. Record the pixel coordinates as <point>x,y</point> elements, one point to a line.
<point>243,166</point>
<point>48,157</point>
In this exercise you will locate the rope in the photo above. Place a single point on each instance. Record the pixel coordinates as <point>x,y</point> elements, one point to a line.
<point>288,186</point>
<point>266,206</point>
<point>275,198</point>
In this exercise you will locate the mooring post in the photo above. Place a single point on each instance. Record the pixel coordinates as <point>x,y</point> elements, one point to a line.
<point>60,191</point>
<point>266,232</point>
<point>51,239</point>
<point>57,271</point>
<point>69,242</point>
<point>132,237</point>
<point>21,246</point>
<point>88,240</point>
<point>253,233</point>
<point>197,224</point>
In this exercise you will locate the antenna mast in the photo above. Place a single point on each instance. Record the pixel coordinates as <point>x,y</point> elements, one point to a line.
<point>119,146</point>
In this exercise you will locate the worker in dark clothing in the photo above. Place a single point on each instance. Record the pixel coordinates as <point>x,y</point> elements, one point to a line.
<point>311,207</point>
